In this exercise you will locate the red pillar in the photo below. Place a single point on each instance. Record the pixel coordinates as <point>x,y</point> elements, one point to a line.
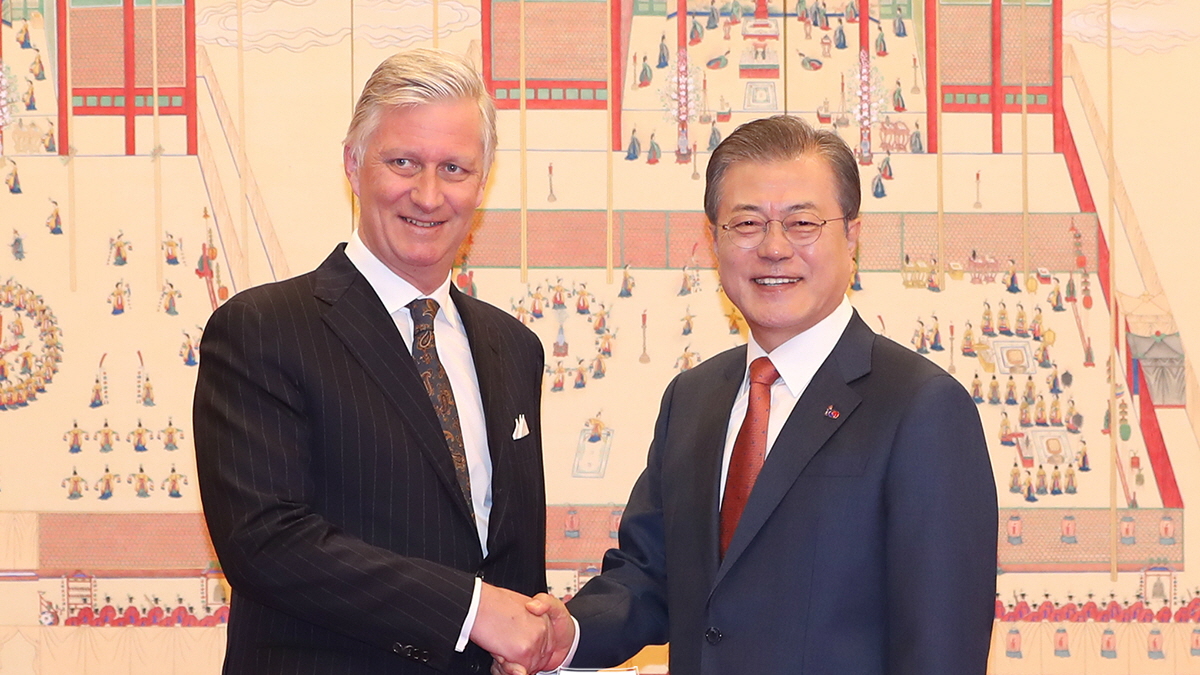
<point>997,77</point>
<point>1,61</point>
<point>681,71</point>
<point>65,101</point>
<point>864,73</point>
<point>931,75</point>
<point>189,93</point>
<point>617,91</point>
<point>1056,79</point>
<point>130,69</point>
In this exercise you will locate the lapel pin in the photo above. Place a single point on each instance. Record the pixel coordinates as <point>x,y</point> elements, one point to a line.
<point>832,413</point>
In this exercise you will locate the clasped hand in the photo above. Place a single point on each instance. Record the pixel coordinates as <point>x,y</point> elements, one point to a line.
<point>524,635</point>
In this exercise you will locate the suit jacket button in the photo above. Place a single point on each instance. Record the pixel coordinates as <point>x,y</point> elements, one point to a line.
<point>398,648</point>
<point>474,667</point>
<point>713,635</point>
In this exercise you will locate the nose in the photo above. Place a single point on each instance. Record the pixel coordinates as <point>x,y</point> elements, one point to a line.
<point>775,245</point>
<point>427,192</point>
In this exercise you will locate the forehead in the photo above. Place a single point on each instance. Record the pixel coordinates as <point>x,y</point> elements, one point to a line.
<point>805,181</point>
<point>439,130</point>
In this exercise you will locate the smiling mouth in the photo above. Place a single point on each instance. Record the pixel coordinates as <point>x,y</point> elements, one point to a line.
<point>423,223</point>
<point>776,281</point>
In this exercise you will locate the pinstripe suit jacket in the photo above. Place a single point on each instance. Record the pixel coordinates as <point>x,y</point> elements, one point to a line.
<point>330,494</point>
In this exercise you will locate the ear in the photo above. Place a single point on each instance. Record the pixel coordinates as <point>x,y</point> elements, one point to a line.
<point>852,229</point>
<point>350,163</point>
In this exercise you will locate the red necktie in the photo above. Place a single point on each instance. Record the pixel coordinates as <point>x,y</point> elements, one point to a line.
<point>749,449</point>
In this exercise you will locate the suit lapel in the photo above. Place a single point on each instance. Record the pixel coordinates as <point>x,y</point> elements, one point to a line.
<point>358,318</point>
<point>705,461</point>
<point>805,432</point>
<point>489,371</point>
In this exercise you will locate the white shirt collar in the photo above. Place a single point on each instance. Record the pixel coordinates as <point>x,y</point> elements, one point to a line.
<point>798,359</point>
<point>394,290</point>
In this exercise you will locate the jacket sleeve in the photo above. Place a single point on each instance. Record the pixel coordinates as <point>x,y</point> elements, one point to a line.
<point>252,436</point>
<point>625,608</point>
<point>940,500</point>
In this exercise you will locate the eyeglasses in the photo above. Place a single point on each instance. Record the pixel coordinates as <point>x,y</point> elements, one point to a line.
<point>801,229</point>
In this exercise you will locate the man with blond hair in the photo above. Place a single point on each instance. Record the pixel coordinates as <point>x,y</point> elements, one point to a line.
<point>368,438</point>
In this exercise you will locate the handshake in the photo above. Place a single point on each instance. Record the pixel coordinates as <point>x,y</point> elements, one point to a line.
<point>524,635</point>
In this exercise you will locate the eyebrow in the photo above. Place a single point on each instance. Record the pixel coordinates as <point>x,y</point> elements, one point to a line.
<point>755,208</point>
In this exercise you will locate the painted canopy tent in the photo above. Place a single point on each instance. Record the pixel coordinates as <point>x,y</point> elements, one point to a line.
<point>1160,356</point>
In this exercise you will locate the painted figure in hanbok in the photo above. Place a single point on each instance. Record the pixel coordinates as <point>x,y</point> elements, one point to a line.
<point>977,389</point>
<point>664,53</point>
<point>1020,327</point>
<point>898,23</point>
<point>1039,412</point>
<point>1030,394</point>
<point>18,246</point>
<point>97,394</point>
<point>898,97</point>
<point>1070,293</point>
<point>687,319</point>
<point>141,482</point>
<point>635,146</point>
<point>75,438</point>
<point>968,341</point>
<point>1042,487</point>
<point>645,76</point>
<point>13,180</point>
<point>714,137</point>
<point>1082,457</point>
<point>139,437</point>
<point>802,11</point>
<point>654,153</point>
<point>931,279</point>
<point>985,325</point>
<point>1055,297</point>
<point>537,303</point>
<point>29,99</point>
<point>558,376</point>
<point>104,485</point>
<point>558,296</point>
<point>75,485</point>
<point>1053,381</point>
<point>1025,414</point>
<point>880,44</point>
<point>915,143</point>
<point>1028,488</point>
<point>187,351</point>
<point>54,220</point>
<point>119,248</point>
<point>1014,476</point>
<point>735,12</point>
<point>1042,355</point>
<point>994,391</point>
<point>37,69</point>
<point>687,360</point>
<point>839,36</point>
<point>23,40</point>
<point>714,15</point>
<point>877,189</point>
<point>600,320</point>
<point>599,369</point>
<point>1035,324</point>
<point>935,336</point>
<point>604,343</point>
<point>580,376</point>
<point>696,32</point>
<point>147,392</point>
<point>48,142</point>
<point>1010,278</point>
<point>118,297</point>
<point>1002,320</point>
<point>172,483</point>
<point>583,299</point>
<point>171,436</point>
<point>851,11</point>
<point>1056,481</point>
<point>1010,391</point>
<point>1072,418</point>
<point>718,62</point>
<point>1070,488</point>
<point>1056,412</point>
<point>885,166</point>
<point>808,63</point>
<point>172,249</point>
<point>168,298</point>
<point>106,437</point>
<point>920,338</point>
<point>627,283</point>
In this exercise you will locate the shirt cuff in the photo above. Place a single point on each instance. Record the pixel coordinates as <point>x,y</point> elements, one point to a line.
<point>570,655</point>
<point>465,635</point>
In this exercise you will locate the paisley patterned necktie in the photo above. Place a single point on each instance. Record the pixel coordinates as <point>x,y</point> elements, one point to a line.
<point>749,448</point>
<point>437,385</point>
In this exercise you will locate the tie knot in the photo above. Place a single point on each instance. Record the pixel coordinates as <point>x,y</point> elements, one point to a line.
<point>423,310</point>
<point>762,371</point>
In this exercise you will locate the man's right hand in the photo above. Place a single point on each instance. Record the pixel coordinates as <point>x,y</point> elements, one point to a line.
<point>522,641</point>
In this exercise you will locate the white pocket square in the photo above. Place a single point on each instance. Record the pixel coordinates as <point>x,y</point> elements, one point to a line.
<point>521,430</point>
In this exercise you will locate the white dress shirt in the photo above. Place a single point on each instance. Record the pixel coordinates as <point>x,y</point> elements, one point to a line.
<point>797,360</point>
<point>454,351</point>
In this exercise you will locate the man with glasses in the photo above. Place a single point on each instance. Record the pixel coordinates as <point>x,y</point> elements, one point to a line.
<point>820,500</point>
